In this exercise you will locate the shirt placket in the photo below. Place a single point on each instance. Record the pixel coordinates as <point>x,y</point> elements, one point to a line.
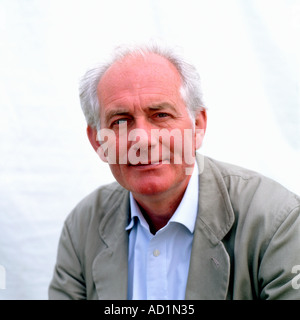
<point>157,268</point>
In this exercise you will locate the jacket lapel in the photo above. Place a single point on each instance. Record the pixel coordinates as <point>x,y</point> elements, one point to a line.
<point>210,263</point>
<point>111,264</point>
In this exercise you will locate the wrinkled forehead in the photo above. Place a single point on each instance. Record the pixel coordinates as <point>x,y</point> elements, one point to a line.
<point>139,72</point>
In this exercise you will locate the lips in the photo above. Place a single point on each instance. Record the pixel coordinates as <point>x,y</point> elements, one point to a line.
<point>149,164</point>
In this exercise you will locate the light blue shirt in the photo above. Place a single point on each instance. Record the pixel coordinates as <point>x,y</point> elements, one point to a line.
<point>158,264</point>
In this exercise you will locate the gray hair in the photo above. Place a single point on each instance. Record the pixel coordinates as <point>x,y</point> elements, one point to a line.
<point>190,90</point>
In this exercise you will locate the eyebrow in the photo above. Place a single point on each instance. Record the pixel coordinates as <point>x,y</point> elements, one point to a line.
<point>115,112</point>
<point>161,106</point>
<point>120,111</point>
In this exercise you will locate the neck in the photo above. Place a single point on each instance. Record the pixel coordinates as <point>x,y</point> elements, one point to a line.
<point>158,209</point>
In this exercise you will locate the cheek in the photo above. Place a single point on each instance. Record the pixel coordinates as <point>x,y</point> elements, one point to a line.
<point>121,151</point>
<point>170,144</point>
<point>199,138</point>
<point>115,169</point>
<point>181,145</point>
<point>122,146</point>
<point>120,174</point>
<point>189,147</point>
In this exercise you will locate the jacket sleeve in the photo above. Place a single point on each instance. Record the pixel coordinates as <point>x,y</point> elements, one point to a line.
<point>278,269</point>
<point>68,281</point>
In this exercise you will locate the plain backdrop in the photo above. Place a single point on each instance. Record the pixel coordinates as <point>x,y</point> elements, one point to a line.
<point>247,53</point>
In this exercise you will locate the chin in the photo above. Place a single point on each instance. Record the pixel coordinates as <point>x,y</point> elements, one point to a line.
<point>149,187</point>
<point>149,181</point>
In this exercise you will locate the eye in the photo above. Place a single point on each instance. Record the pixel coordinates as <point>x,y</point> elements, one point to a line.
<point>120,121</point>
<point>161,115</point>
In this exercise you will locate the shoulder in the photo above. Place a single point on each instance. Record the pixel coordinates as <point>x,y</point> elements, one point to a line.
<point>232,170</point>
<point>95,207</point>
<point>243,182</point>
<point>256,199</point>
<point>101,198</point>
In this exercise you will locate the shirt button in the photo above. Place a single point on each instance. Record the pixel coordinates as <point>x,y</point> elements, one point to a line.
<point>156,253</point>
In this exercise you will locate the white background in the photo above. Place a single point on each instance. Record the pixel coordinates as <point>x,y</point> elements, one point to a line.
<point>247,52</point>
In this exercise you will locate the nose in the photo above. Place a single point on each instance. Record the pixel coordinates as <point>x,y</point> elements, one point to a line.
<point>142,147</point>
<point>140,135</point>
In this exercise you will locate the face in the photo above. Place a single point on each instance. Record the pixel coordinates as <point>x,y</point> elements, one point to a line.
<point>139,97</point>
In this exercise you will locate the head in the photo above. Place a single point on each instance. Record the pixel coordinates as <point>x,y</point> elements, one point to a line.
<point>190,88</point>
<point>143,91</point>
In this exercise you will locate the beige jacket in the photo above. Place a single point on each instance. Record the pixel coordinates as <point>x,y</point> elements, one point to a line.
<point>246,240</point>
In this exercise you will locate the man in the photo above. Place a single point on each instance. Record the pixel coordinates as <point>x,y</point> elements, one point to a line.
<point>175,225</point>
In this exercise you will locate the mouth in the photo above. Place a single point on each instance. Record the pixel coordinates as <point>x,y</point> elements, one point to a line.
<point>150,165</point>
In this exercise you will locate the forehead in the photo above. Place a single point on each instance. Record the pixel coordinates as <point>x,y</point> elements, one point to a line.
<point>139,75</point>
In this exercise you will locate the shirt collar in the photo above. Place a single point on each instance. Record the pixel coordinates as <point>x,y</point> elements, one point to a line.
<point>185,213</point>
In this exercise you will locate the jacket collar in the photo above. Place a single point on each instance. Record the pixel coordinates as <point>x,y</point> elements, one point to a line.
<point>215,211</point>
<point>210,264</point>
<point>110,267</point>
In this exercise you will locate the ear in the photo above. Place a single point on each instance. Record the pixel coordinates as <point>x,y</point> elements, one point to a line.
<point>200,127</point>
<point>92,134</point>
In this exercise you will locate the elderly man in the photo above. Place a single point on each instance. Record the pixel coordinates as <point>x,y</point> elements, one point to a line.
<point>175,225</point>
